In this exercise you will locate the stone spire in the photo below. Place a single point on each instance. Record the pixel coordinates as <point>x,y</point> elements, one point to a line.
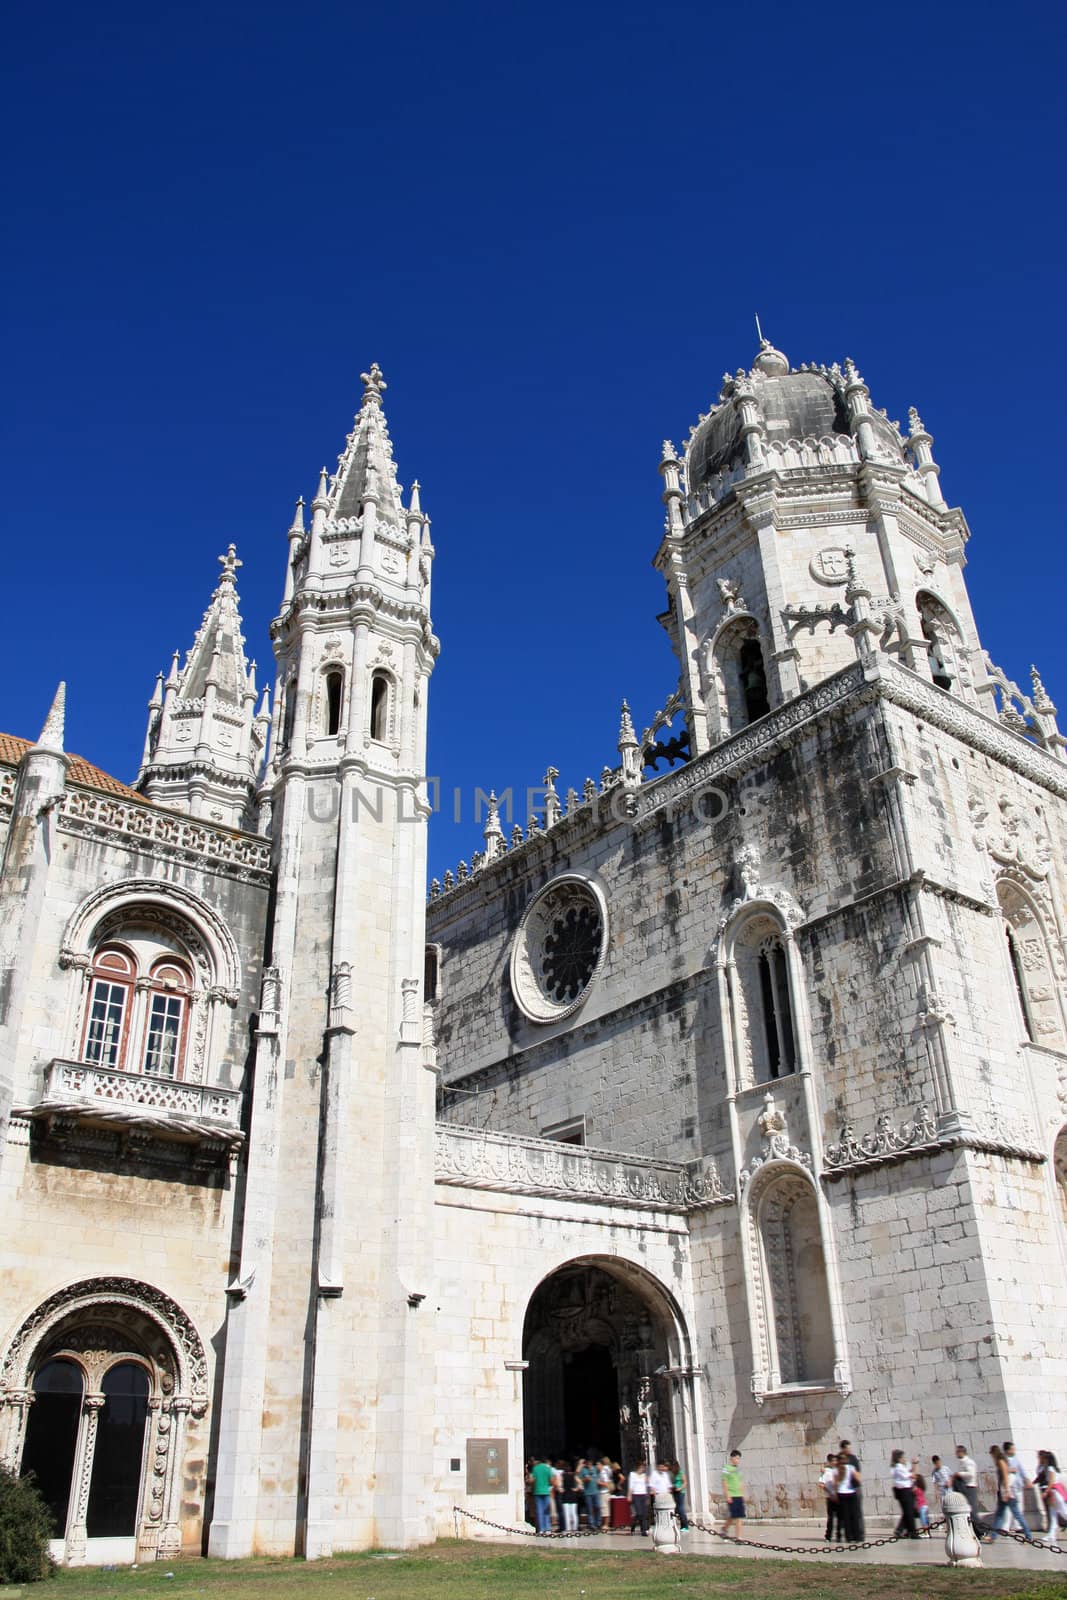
<point>204,743</point>
<point>52,733</point>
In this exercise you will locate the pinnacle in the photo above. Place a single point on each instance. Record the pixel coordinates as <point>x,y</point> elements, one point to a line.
<point>52,732</point>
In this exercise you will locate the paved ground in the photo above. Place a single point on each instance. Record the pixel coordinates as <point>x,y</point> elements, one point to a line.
<point>1005,1553</point>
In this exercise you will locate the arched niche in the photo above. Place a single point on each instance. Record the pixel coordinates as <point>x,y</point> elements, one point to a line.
<point>795,1330</point>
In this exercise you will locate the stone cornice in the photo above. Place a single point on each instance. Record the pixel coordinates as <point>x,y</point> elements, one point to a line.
<point>159,831</point>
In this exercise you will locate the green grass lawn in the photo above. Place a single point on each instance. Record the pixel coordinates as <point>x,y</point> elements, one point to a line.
<point>466,1571</point>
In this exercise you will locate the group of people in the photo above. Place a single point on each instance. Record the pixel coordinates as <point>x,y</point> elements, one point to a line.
<point>842,1485</point>
<point>566,1492</point>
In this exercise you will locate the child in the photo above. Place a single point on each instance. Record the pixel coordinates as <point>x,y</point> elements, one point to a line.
<point>922,1509</point>
<point>833,1504</point>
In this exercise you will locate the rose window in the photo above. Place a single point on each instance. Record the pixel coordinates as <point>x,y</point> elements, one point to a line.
<point>558,949</point>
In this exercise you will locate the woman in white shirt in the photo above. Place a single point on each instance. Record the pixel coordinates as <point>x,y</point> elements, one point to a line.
<point>905,1496</point>
<point>848,1484</point>
<point>1054,1494</point>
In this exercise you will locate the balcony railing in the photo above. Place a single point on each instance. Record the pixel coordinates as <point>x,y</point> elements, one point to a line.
<point>78,1093</point>
<point>475,1158</point>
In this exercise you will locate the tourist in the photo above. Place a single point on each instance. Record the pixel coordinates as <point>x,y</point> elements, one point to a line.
<point>965,1482</point>
<point>678,1486</point>
<point>587,1477</point>
<point>541,1483</point>
<point>571,1494</point>
<point>637,1494</point>
<point>849,1490</point>
<point>1019,1481</point>
<point>845,1453</point>
<point>557,1495</point>
<point>1053,1493</point>
<point>1007,1498</point>
<point>734,1490</point>
<point>939,1478</point>
<point>605,1479</point>
<point>922,1510</point>
<point>904,1494</point>
<point>828,1480</point>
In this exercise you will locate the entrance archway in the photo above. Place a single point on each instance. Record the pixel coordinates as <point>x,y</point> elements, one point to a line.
<point>96,1389</point>
<point>603,1346</point>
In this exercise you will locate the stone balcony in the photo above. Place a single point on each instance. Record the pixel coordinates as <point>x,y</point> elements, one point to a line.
<point>476,1158</point>
<point>129,1114</point>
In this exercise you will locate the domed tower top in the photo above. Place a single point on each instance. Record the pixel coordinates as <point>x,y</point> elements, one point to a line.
<point>809,403</point>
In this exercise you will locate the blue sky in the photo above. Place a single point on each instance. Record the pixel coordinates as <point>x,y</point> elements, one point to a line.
<point>551,225</point>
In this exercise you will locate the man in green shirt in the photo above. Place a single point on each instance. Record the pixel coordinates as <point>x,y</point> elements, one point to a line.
<point>541,1478</point>
<point>734,1489</point>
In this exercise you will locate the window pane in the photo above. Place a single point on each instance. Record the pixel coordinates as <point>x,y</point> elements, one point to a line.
<point>51,1437</point>
<point>116,1481</point>
<point>164,1035</point>
<point>103,1041</point>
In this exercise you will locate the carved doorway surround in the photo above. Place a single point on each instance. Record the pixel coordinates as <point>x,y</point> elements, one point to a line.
<point>96,1389</point>
<point>604,1358</point>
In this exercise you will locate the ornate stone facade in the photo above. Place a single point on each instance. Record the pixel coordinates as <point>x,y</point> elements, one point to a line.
<point>726,1105</point>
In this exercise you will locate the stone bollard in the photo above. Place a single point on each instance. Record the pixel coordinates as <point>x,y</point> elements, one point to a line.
<point>961,1546</point>
<point>665,1541</point>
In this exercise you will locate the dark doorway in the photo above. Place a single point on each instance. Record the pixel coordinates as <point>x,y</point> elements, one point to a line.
<point>591,1403</point>
<point>52,1436</point>
<point>114,1488</point>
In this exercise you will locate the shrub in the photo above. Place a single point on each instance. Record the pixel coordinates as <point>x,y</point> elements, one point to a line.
<point>25,1529</point>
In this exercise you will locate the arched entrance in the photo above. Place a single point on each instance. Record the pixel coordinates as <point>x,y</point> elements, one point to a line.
<point>604,1352</point>
<point>95,1393</point>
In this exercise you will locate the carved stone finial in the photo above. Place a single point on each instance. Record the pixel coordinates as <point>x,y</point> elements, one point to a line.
<point>771,362</point>
<point>915,422</point>
<point>229,564</point>
<point>373,385</point>
<point>296,527</point>
<point>1041,698</point>
<point>730,595</point>
<point>669,452</point>
<point>627,736</point>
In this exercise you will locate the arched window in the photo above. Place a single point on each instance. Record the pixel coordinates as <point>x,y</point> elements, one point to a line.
<point>753,680</point>
<point>167,1014</point>
<point>1032,976</point>
<point>943,643</point>
<point>332,698</point>
<point>379,707</point>
<point>137,1017</point>
<point>762,1011</point>
<point>107,1019</point>
<point>115,1483</point>
<point>793,1286</point>
<point>431,974</point>
<point>777,1011</point>
<point>737,686</point>
<point>52,1436</point>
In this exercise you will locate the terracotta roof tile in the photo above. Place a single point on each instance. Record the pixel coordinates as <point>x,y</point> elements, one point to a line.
<point>80,771</point>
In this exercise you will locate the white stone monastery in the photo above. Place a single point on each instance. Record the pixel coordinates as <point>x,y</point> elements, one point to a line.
<point>721,1104</point>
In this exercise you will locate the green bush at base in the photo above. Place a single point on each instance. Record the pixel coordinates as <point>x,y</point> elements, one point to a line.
<point>25,1529</point>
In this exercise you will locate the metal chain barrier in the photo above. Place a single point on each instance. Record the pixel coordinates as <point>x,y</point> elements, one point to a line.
<point>810,1549</point>
<point>753,1544</point>
<point>1020,1538</point>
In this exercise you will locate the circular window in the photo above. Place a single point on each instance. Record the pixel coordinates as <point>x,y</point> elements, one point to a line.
<point>558,949</point>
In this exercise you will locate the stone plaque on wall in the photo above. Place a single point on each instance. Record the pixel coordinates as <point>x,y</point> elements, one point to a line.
<point>487,1466</point>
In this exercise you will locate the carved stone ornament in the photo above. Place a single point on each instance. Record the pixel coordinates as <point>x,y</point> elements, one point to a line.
<point>830,566</point>
<point>730,595</point>
<point>884,1141</point>
<point>755,891</point>
<point>121,1296</point>
<point>558,949</point>
<point>776,1142</point>
<point>476,1158</point>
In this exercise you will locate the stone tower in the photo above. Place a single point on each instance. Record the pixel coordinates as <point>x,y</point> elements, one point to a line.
<point>787,474</point>
<point>325,1426</point>
<point>205,741</point>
